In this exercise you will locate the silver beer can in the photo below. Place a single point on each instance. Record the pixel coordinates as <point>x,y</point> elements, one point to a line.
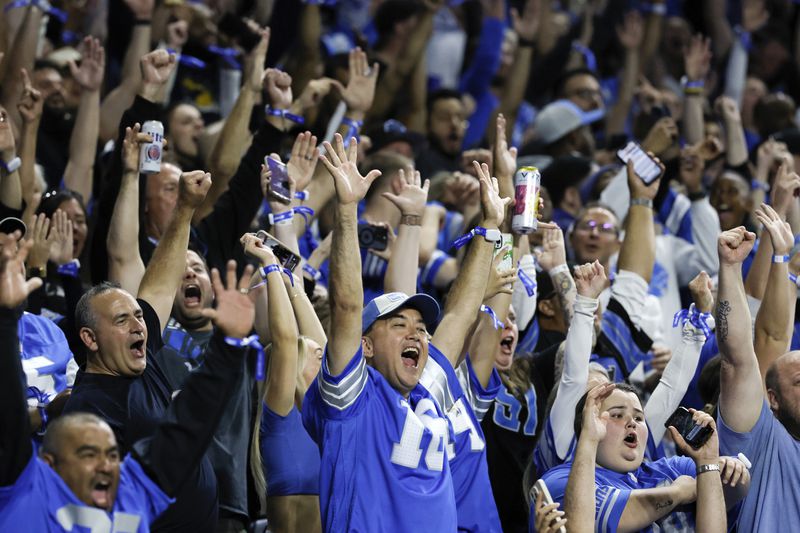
<point>527,182</point>
<point>150,154</point>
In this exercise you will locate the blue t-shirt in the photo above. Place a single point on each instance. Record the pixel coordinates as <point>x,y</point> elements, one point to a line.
<point>614,489</point>
<point>41,501</point>
<point>773,502</point>
<point>383,464</point>
<point>293,468</point>
<point>473,490</point>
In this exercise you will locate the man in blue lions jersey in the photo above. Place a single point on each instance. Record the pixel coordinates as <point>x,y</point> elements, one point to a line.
<point>78,482</point>
<point>382,436</point>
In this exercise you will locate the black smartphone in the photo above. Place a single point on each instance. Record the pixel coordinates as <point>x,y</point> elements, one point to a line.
<point>234,27</point>
<point>694,435</point>
<point>373,237</point>
<point>284,255</point>
<point>644,165</point>
<point>279,181</point>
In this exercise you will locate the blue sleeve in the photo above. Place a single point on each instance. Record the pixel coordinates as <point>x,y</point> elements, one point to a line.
<point>675,215</point>
<point>335,397</point>
<point>478,76</point>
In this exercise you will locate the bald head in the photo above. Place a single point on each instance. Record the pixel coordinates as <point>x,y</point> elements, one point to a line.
<point>780,367</point>
<point>60,429</point>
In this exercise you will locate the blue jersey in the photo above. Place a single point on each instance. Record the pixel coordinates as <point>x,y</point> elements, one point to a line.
<point>45,354</point>
<point>461,396</point>
<point>614,488</point>
<point>383,465</point>
<point>773,501</point>
<point>40,501</point>
<point>288,469</point>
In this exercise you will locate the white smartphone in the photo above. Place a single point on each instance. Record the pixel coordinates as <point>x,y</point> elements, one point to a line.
<point>644,165</point>
<point>540,487</point>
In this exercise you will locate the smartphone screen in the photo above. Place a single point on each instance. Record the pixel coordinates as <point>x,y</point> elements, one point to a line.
<point>279,181</point>
<point>694,435</point>
<point>284,255</point>
<point>644,166</point>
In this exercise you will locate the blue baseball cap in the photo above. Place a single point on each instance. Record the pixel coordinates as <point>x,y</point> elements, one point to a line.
<point>386,304</point>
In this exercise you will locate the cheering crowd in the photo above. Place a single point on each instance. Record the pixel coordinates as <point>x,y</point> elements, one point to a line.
<point>399,265</point>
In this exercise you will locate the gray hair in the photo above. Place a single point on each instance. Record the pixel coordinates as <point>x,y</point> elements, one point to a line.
<point>84,314</point>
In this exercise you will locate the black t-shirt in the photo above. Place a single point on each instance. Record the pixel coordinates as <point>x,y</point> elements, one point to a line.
<point>228,451</point>
<point>511,428</point>
<point>133,407</point>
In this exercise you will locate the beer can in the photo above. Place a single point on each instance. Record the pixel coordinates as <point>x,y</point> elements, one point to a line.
<point>150,154</point>
<point>527,182</point>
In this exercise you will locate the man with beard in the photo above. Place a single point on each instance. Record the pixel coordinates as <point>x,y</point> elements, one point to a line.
<point>58,119</point>
<point>745,422</point>
<point>447,124</point>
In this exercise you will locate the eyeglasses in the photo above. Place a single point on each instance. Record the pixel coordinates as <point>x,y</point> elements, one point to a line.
<point>588,94</point>
<point>606,228</point>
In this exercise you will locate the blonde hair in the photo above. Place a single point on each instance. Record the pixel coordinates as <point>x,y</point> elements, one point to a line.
<point>256,466</point>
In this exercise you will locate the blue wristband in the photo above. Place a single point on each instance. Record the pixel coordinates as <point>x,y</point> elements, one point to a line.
<point>694,317</point>
<point>489,311</point>
<point>269,269</point>
<point>301,195</point>
<point>280,217</point>
<point>228,55</point>
<point>353,126</point>
<point>781,258</point>
<point>70,269</point>
<point>252,342</point>
<point>477,230</point>
<point>297,119</point>
<point>311,271</point>
<point>761,185</point>
<point>527,282</point>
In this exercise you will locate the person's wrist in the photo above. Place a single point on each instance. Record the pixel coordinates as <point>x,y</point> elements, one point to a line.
<point>642,201</point>
<point>490,224</point>
<point>411,219</point>
<point>150,91</point>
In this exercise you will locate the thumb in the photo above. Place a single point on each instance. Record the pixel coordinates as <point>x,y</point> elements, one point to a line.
<point>391,197</point>
<point>73,68</point>
<point>209,313</point>
<point>676,436</point>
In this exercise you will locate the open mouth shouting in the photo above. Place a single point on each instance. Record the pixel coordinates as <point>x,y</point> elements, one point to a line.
<point>101,494</point>
<point>631,440</point>
<point>192,295</point>
<point>506,343</point>
<point>137,349</point>
<point>410,357</point>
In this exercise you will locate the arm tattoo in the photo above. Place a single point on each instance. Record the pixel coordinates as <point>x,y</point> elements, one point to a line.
<point>566,291</point>
<point>664,504</point>
<point>723,310</point>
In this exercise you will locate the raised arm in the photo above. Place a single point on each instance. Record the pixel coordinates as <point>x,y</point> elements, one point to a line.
<point>401,273</point>
<point>681,368</point>
<point>630,35</point>
<point>741,388</point>
<point>580,493</point>
<point>164,272</point>
<point>21,55</point>
<point>120,98</point>
<point>638,251</point>
<point>125,264</point>
<point>552,257</point>
<point>10,183</point>
<point>774,321</point>
<point>590,280</point>
<point>15,442</point>
<point>346,291</point>
<point>697,63</point>
<point>235,134</point>
<point>182,437</point>
<point>79,174</point>
<point>467,291</point>
<point>30,109</point>
<point>735,144</point>
<point>282,379</point>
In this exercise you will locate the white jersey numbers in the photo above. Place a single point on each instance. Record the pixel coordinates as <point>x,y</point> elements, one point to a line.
<point>408,451</point>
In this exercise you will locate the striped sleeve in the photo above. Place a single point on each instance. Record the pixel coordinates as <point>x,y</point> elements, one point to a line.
<point>480,398</point>
<point>341,393</point>
<point>609,504</point>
